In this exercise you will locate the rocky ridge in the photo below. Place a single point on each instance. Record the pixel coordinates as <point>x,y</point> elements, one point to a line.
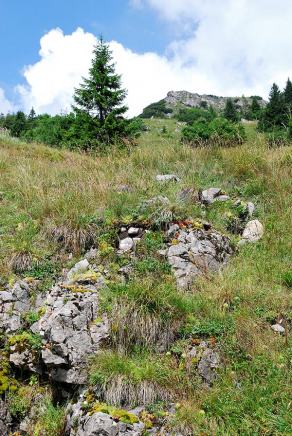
<point>187,99</point>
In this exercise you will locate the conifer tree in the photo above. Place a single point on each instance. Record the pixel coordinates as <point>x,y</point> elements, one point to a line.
<point>255,109</point>
<point>275,114</point>
<point>101,97</point>
<point>230,112</point>
<point>288,94</point>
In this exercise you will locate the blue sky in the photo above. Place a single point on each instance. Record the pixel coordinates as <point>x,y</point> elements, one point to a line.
<point>223,47</point>
<point>22,24</point>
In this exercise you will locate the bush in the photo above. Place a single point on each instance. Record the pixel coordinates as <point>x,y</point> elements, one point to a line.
<point>277,137</point>
<point>191,115</point>
<point>156,110</point>
<point>219,131</point>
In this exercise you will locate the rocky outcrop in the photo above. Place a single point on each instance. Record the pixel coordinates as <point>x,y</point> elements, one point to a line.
<point>193,252</point>
<point>189,99</point>
<point>15,301</point>
<point>80,422</point>
<point>71,330</point>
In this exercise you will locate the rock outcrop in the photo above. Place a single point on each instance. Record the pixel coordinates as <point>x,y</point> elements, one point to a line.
<point>193,252</point>
<point>189,99</point>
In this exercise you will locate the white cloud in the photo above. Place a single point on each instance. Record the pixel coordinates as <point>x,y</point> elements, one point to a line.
<point>233,47</point>
<point>5,105</point>
<point>241,46</point>
<point>64,59</point>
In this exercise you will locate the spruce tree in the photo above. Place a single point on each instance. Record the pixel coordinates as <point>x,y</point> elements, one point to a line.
<point>255,109</point>
<point>288,94</point>
<point>275,114</point>
<point>100,97</point>
<point>230,112</point>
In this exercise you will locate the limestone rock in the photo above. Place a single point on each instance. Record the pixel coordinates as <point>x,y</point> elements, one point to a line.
<point>126,244</point>
<point>278,328</point>
<point>103,424</point>
<point>80,423</point>
<point>167,178</point>
<point>14,303</point>
<point>79,268</point>
<point>196,252</point>
<point>133,231</point>
<point>209,196</point>
<point>253,232</point>
<point>210,361</point>
<point>5,419</point>
<point>70,331</point>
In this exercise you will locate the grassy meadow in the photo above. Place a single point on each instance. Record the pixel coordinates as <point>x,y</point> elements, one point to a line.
<point>53,201</point>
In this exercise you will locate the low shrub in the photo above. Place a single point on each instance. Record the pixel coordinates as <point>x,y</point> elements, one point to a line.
<point>219,132</point>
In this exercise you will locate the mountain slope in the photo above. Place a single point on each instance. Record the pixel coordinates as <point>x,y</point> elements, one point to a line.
<point>55,205</point>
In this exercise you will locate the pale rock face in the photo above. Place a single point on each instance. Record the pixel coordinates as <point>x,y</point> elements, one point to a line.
<point>253,232</point>
<point>189,99</point>
<point>68,328</point>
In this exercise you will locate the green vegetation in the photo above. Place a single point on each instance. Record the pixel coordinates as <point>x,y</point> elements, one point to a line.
<point>230,112</point>
<point>219,132</point>
<point>189,116</point>
<point>156,110</point>
<point>275,119</point>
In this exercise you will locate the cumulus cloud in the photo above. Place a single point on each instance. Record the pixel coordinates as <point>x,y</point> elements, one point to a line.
<point>233,47</point>
<point>65,59</point>
<point>242,46</point>
<point>5,105</point>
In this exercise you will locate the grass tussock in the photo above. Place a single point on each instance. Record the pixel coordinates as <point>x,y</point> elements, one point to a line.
<point>131,381</point>
<point>74,240</point>
<point>144,313</point>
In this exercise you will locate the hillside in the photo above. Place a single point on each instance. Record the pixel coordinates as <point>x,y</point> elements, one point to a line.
<point>97,309</point>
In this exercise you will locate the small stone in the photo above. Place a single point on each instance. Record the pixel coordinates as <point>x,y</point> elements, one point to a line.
<point>172,230</point>
<point>6,296</point>
<point>126,244</point>
<point>221,198</point>
<point>250,208</point>
<point>133,231</point>
<point>207,196</point>
<point>278,328</point>
<point>91,254</point>
<point>52,359</point>
<point>167,178</point>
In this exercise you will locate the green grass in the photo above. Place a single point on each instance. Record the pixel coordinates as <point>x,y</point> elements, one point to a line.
<point>44,188</point>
